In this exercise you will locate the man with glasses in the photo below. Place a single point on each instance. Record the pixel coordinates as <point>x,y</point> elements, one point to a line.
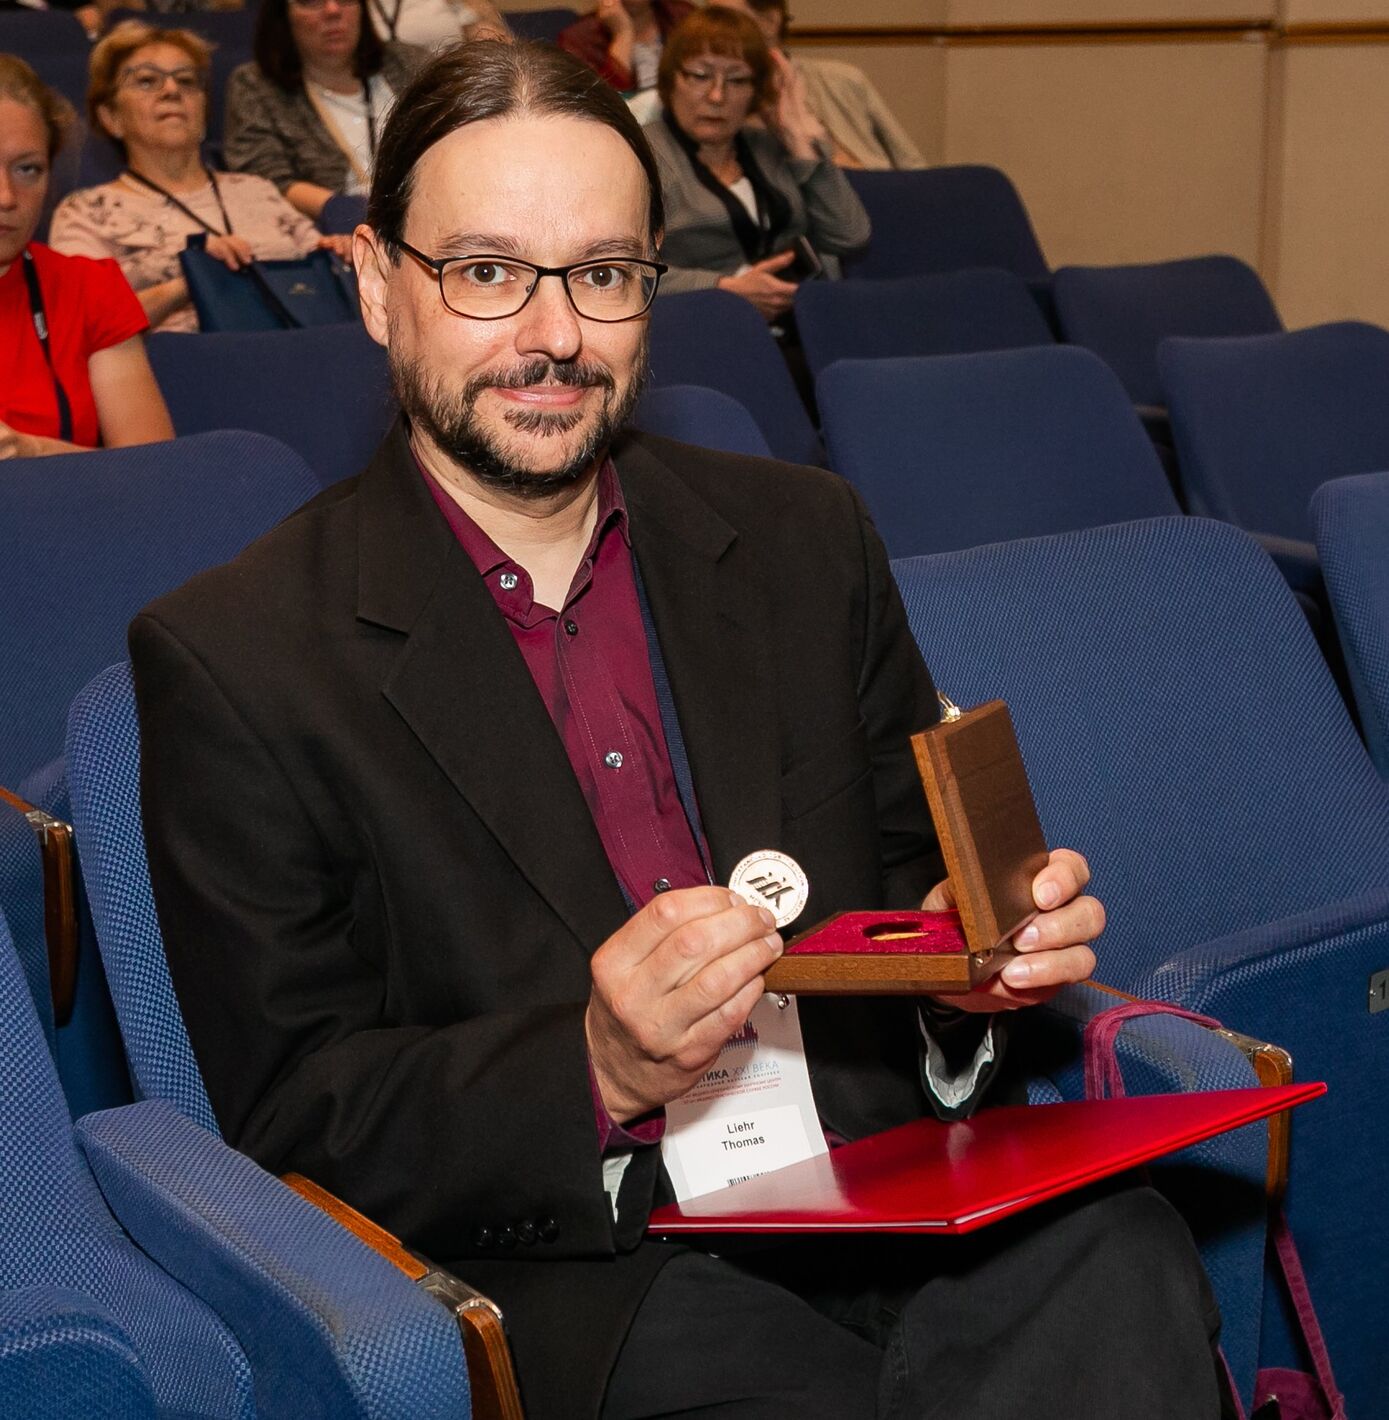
<point>442,778</point>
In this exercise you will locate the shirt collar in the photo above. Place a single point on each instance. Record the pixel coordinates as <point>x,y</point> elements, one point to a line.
<point>487,557</point>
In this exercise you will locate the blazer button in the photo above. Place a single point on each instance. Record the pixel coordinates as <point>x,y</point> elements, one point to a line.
<point>547,1228</point>
<point>525,1232</point>
<point>484,1238</point>
<point>506,1239</point>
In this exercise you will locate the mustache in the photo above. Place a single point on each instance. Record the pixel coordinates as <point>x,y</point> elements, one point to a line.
<point>544,371</point>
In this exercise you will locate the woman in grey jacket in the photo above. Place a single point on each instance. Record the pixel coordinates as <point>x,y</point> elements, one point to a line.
<point>746,207</point>
<point>308,111</point>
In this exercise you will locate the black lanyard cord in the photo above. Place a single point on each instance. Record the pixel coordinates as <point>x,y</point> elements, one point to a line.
<point>31,279</point>
<point>183,206</point>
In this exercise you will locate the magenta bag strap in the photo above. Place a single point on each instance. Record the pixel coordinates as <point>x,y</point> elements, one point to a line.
<point>1291,1265</point>
<point>1103,1077</point>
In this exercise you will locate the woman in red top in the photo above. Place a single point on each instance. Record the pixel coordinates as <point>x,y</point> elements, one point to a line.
<point>73,371</point>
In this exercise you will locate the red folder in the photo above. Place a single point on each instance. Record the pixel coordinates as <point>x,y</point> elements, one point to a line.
<point>931,1177</point>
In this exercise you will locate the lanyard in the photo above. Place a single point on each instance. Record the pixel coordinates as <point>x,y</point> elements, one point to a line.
<point>335,132</point>
<point>31,279</point>
<point>183,206</point>
<point>390,21</point>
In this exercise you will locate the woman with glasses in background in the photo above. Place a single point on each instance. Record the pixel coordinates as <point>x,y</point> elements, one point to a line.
<point>308,112</point>
<point>147,91</point>
<point>73,371</point>
<point>751,209</point>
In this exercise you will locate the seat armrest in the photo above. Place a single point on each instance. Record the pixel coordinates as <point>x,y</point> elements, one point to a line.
<point>330,1328</point>
<point>491,1375</point>
<point>68,1348</point>
<point>59,901</point>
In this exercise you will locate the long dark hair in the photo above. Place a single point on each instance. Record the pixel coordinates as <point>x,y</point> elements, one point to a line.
<point>491,79</point>
<point>277,55</point>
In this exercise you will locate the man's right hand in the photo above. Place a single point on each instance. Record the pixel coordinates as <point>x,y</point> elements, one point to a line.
<point>669,988</point>
<point>768,292</point>
<point>231,250</point>
<point>616,20</point>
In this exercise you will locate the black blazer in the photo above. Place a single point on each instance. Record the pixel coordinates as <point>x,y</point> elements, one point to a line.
<point>379,883</point>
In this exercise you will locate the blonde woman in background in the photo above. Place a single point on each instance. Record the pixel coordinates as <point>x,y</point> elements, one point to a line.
<point>147,93</point>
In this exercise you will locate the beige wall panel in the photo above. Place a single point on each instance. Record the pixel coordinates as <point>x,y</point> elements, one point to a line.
<point>1122,152</point>
<point>1042,13</point>
<point>1334,12</point>
<point>1331,259</point>
<point>911,77</point>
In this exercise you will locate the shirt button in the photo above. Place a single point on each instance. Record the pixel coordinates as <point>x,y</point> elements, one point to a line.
<point>613,759</point>
<point>508,581</point>
<point>571,628</point>
<point>661,885</point>
<point>526,1232</point>
<point>547,1228</point>
<point>506,1239</point>
<point>484,1238</point>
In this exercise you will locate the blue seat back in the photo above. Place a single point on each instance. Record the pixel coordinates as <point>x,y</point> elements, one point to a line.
<point>539,24</point>
<point>1178,722</point>
<point>1122,312</point>
<point>695,415</point>
<point>1260,423</point>
<point>325,391</point>
<point>952,451</point>
<point>1350,517</point>
<point>343,213</point>
<point>89,538</point>
<point>103,754</point>
<point>56,1229</point>
<point>35,34</point>
<point>951,313</point>
<point>716,339</point>
<point>944,219</point>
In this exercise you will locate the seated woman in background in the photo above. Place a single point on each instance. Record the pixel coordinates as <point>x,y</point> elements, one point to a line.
<point>863,130</point>
<point>432,24</point>
<point>308,112</point>
<point>73,371</point>
<point>147,92</point>
<point>743,203</point>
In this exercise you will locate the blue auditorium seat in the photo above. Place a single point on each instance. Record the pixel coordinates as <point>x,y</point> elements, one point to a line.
<point>58,1235</point>
<point>325,391</point>
<point>342,213</point>
<point>951,313</point>
<point>1122,312</point>
<point>1181,729</point>
<point>345,1333</point>
<point>1261,422</point>
<point>89,539</point>
<point>955,450</point>
<point>716,339</point>
<point>63,1356</point>
<point>944,219</point>
<point>34,34</point>
<point>695,415</point>
<point>539,24</point>
<point>1350,517</point>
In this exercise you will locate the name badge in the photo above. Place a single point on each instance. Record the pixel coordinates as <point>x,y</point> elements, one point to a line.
<point>750,1113</point>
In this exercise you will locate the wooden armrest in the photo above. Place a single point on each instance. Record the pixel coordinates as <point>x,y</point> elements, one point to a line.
<point>1274,1066</point>
<point>491,1375</point>
<point>59,902</point>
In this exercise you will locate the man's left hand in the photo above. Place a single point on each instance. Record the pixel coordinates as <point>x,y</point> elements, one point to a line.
<point>1053,949</point>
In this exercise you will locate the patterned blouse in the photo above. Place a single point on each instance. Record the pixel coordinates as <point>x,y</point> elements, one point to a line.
<point>145,232</point>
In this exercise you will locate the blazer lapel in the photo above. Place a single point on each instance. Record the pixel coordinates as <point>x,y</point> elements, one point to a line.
<point>461,685</point>
<point>708,617</point>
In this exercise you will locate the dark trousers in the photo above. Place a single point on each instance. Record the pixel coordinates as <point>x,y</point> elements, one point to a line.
<point>1093,1307</point>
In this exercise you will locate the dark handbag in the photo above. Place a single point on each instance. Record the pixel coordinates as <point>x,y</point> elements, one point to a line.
<point>267,295</point>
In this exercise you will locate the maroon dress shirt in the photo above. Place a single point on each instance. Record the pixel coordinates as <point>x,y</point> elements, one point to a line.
<point>590,662</point>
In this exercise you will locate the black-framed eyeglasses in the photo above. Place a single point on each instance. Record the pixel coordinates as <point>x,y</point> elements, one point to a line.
<point>488,287</point>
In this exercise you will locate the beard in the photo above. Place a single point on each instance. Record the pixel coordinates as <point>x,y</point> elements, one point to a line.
<point>450,417</point>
